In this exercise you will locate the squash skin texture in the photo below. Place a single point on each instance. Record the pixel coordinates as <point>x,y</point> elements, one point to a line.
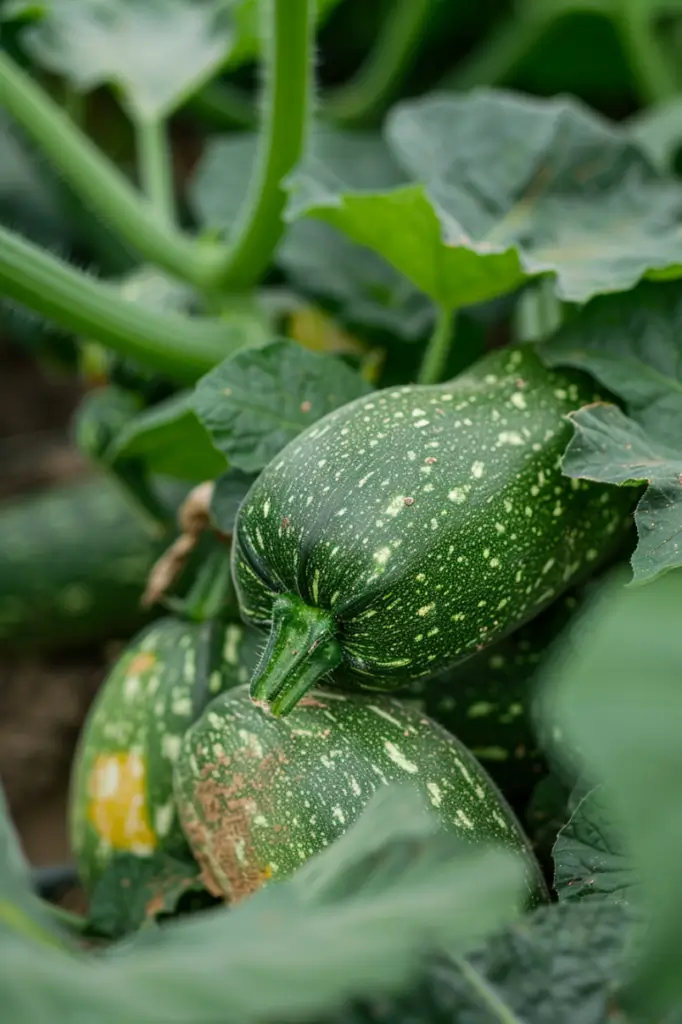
<point>121,794</point>
<point>429,521</point>
<point>258,796</point>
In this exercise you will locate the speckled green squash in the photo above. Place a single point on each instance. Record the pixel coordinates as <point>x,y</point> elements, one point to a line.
<point>486,701</point>
<point>257,795</point>
<point>121,796</point>
<point>73,564</point>
<point>406,530</point>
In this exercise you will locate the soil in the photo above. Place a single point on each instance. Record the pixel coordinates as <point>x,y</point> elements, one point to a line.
<point>43,700</point>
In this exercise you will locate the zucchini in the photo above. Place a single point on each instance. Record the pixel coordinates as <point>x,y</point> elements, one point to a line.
<point>486,701</point>
<point>257,796</point>
<point>73,565</point>
<point>121,797</point>
<point>412,527</point>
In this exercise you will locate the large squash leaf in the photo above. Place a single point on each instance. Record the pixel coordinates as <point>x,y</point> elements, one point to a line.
<point>156,52</point>
<point>295,950</point>
<point>254,404</point>
<point>319,260</point>
<point>632,345</point>
<point>562,964</point>
<point>505,188</point>
<point>618,699</point>
<point>590,861</point>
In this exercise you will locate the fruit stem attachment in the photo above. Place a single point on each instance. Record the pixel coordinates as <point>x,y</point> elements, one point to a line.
<point>301,650</point>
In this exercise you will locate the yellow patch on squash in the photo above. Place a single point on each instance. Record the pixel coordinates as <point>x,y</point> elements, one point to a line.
<point>117,803</point>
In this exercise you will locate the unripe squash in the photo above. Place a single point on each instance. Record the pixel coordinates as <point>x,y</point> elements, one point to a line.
<point>257,795</point>
<point>121,798</point>
<point>410,528</point>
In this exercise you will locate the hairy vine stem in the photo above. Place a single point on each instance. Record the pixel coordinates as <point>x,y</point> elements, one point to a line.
<point>181,346</point>
<point>98,182</point>
<point>288,29</point>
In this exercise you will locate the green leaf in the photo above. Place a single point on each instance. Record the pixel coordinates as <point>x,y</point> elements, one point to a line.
<point>157,53</point>
<point>658,131</point>
<point>618,698</point>
<point>252,405</point>
<point>228,493</point>
<point>22,917</point>
<point>280,955</point>
<point>506,188</point>
<point>560,964</point>
<point>590,861</point>
<point>631,344</point>
<point>611,448</point>
<point>319,260</point>
<point>170,440</point>
<point>135,891</point>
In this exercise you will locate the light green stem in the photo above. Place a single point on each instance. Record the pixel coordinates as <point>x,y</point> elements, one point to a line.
<point>74,922</point>
<point>364,98</point>
<point>184,348</point>
<point>287,102</point>
<point>155,167</point>
<point>95,179</point>
<point>501,54</point>
<point>436,355</point>
<point>653,73</point>
<point>487,996</point>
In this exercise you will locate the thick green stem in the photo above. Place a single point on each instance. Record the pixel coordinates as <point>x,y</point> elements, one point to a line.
<point>367,94</point>
<point>155,168</point>
<point>301,650</point>
<point>436,355</point>
<point>287,101</point>
<point>95,179</point>
<point>182,347</point>
<point>653,72</point>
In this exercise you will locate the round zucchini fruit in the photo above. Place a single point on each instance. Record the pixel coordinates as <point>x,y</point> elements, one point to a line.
<point>257,795</point>
<point>121,797</point>
<point>410,528</point>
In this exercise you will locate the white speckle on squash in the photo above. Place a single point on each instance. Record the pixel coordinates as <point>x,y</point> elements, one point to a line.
<point>396,755</point>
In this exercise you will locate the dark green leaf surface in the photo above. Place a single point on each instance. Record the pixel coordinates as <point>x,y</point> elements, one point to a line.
<point>589,859</point>
<point>658,131</point>
<point>169,439</point>
<point>318,259</point>
<point>631,344</point>
<point>618,697</point>
<point>610,447</point>
<point>560,965</point>
<point>157,53</point>
<point>133,891</point>
<point>506,188</point>
<point>255,403</point>
<point>280,955</point>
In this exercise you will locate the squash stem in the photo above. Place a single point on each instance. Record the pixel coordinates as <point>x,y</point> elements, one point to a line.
<point>301,650</point>
<point>438,349</point>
